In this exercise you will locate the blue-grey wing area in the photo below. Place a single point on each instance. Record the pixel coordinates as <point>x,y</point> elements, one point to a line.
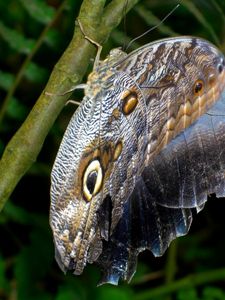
<point>144,225</point>
<point>192,166</point>
<point>174,185</point>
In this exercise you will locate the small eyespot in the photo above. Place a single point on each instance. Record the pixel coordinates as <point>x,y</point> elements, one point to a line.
<point>220,68</point>
<point>198,87</point>
<point>130,101</point>
<point>118,150</point>
<point>92,179</point>
<point>116,113</point>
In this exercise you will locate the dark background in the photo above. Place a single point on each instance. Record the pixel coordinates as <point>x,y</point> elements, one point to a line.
<point>27,266</point>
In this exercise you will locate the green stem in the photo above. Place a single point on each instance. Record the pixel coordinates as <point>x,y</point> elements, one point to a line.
<point>186,282</point>
<point>23,148</point>
<point>171,262</point>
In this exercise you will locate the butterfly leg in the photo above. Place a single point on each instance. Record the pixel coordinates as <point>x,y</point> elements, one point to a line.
<point>99,47</point>
<point>77,103</point>
<point>81,86</point>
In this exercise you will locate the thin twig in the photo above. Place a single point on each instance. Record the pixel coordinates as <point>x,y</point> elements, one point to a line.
<point>148,277</point>
<point>171,262</point>
<point>186,282</point>
<point>27,60</point>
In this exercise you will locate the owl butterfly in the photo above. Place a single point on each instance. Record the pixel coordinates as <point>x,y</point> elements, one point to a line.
<point>139,156</point>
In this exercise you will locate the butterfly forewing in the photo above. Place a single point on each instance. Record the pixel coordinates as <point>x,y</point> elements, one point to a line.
<point>139,155</point>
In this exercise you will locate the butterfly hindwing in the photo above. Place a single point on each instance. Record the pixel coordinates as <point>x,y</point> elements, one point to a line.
<point>143,225</point>
<point>192,165</point>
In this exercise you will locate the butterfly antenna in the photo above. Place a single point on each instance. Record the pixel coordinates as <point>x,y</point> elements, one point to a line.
<point>154,27</point>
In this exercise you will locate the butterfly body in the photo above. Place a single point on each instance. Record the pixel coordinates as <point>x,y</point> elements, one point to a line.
<point>125,176</point>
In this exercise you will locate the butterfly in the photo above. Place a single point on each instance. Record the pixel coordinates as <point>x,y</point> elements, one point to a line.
<point>139,156</point>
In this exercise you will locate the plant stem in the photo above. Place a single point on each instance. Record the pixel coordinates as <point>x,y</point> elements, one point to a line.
<point>186,282</point>
<point>171,262</point>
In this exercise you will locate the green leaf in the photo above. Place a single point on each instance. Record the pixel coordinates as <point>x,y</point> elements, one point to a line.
<point>3,281</point>
<point>72,289</point>
<point>142,274</point>
<point>201,18</point>
<point>21,216</point>
<point>114,292</point>
<point>16,213</point>
<point>67,292</point>
<point>39,10</point>
<point>16,110</point>
<point>27,267</point>
<point>54,39</point>
<point>187,294</point>
<point>35,73</point>
<point>16,40</point>
<point>152,20</point>
<point>213,293</point>
<point>6,80</point>
<point>219,10</point>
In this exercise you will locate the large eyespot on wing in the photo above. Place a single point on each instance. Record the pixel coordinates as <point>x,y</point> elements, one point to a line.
<point>92,179</point>
<point>130,101</point>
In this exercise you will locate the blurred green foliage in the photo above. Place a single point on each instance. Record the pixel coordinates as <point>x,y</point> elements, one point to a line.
<point>28,270</point>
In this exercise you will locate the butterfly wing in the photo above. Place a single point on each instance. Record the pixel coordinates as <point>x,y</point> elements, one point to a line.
<point>184,164</point>
<point>181,79</point>
<point>138,156</point>
<point>176,181</point>
<point>192,165</point>
<point>144,225</point>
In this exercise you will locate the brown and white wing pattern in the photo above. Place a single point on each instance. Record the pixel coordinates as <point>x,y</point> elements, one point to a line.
<point>176,183</point>
<point>141,153</point>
